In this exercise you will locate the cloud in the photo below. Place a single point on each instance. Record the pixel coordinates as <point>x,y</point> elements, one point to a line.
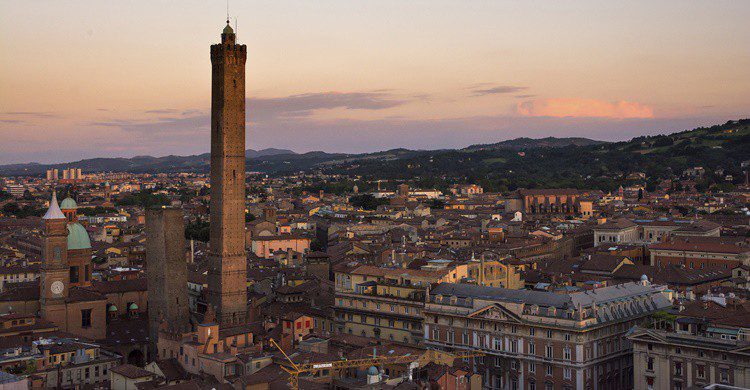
<point>304,105</point>
<point>162,111</point>
<point>29,114</point>
<point>578,108</point>
<point>482,90</point>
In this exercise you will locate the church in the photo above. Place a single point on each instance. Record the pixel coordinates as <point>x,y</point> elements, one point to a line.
<point>64,296</point>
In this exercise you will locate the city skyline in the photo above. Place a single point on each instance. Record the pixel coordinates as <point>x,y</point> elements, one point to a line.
<point>434,75</point>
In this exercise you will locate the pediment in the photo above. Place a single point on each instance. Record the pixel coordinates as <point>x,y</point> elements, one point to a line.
<point>495,312</point>
<point>645,335</point>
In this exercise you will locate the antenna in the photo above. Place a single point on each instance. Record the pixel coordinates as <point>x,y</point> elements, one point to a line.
<point>227,11</point>
<point>236,29</point>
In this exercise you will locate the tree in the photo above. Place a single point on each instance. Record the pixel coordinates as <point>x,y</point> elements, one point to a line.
<point>367,201</point>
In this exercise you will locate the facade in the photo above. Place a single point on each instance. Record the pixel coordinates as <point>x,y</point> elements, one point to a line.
<point>549,201</point>
<point>701,252</point>
<point>682,360</point>
<point>227,260</point>
<point>265,246</point>
<point>385,303</point>
<point>543,340</point>
<point>621,231</point>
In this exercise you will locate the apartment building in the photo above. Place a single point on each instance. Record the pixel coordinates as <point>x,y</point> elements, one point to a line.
<point>708,344</point>
<point>543,340</point>
<point>386,303</point>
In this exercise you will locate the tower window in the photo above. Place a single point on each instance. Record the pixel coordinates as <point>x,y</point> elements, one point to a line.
<point>85,318</point>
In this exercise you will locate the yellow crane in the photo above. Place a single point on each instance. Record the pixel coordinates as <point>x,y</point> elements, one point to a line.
<point>306,368</point>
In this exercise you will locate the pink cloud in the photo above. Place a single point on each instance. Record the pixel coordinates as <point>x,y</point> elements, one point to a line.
<point>574,107</point>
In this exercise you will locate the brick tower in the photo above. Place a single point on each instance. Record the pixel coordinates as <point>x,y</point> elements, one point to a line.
<point>227,271</point>
<point>55,279</point>
<point>166,269</point>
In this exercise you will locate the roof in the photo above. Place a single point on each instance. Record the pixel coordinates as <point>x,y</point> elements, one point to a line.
<point>68,204</point>
<point>548,191</point>
<point>131,371</point>
<point>54,212</point>
<point>618,224</point>
<point>703,244</point>
<point>78,238</point>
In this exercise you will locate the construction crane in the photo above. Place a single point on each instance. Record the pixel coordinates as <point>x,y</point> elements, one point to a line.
<point>305,368</point>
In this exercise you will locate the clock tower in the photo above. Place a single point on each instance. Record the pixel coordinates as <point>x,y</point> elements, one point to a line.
<point>55,274</point>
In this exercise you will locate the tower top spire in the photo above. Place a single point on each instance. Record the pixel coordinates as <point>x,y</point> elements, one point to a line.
<point>54,211</point>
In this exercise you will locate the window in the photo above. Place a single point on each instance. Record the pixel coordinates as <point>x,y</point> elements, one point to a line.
<point>678,368</point>
<point>86,318</point>
<point>532,331</point>
<point>548,369</point>
<point>566,353</point>
<point>549,334</point>
<point>700,371</point>
<point>532,349</point>
<point>567,336</point>
<point>549,353</point>
<point>650,364</point>
<point>74,274</point>
<point>724,375</point>
<point>532,367</point>
<point>567,373</point>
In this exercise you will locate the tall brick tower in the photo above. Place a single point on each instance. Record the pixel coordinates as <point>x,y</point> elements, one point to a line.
<point>166,269</point>
<point>227,272</point>
<point>55,278</point>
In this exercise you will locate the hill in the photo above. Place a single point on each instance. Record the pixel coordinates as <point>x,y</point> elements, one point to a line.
<point>545,162</point>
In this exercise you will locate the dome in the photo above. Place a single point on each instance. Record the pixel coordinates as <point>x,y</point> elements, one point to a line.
<point>68,204</point>
<point>133,306</point>
<point>78,237</point>
<point>228,29</point>
<point>372,371</point>
<point>112,309</point>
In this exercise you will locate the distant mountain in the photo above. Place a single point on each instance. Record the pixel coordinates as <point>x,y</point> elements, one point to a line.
<point>553,162</point>
<point>250,153</point>
<point>531,143</point>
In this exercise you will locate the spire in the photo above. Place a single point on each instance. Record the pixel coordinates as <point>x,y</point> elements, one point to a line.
<point>54,211</point>
<point>228,29</point>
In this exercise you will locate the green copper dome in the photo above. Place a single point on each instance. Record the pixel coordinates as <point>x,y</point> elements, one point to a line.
<point>78,238</point>
<point>68,204</point>
<point>228,29</point>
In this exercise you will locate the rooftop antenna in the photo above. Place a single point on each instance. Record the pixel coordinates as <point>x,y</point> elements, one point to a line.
<point>227,11</point>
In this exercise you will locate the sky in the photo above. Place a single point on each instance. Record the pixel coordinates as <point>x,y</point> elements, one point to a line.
<point>82,79</point>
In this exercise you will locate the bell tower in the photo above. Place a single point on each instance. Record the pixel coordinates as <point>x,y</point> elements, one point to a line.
<point>227,271</point>
<point>55,276</point>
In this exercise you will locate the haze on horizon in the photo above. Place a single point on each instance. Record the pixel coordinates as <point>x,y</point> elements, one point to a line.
<point>85,79</point>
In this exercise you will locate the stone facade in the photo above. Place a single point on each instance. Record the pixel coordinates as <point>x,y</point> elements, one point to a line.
<point>543,340</point>
<point>681,360</point>
<point>227,271</point>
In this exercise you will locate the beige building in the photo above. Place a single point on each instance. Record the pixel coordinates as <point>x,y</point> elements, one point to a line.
<point>543,340</point>
<point>386,303</point>
<point>668,360</point>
